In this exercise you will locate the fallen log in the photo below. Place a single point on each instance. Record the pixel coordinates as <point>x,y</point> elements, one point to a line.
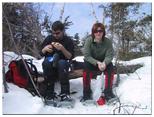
<point>121,69</point>
<point>127,69</point>
<point>118,70</point>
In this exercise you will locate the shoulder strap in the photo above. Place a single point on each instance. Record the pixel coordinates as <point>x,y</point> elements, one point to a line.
<point>33,68</point>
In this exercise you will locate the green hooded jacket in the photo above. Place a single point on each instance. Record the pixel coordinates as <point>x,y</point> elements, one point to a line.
<point>102,51</point>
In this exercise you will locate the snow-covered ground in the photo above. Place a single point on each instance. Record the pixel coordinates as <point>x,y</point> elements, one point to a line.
<point>134,91</point>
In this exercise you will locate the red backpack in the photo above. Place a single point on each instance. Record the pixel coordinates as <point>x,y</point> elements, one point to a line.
<point>18,74</point>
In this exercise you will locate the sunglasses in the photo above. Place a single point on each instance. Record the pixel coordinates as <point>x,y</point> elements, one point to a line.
<point>56,33</point>
<point>96,31</point>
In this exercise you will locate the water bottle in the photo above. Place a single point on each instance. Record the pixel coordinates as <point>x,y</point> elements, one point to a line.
<point>50,59</point>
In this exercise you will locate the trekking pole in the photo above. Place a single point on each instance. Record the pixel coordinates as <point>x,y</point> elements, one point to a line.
<point>23,59</point>
<point>4,81</point>
<point>102,77</point>
<point>100,84</point>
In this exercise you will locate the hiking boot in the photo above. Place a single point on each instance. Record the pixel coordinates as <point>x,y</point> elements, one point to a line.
<point>51,96</point>
<point>86,101</point>
<point>65,97</point>
<point>83,99</point>
<point>112,95</point>
<point>87,97</point>
<point>108,95</point>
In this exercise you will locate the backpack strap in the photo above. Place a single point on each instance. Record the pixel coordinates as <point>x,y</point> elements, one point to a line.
<point>34,73</point>
<point>33,69</point>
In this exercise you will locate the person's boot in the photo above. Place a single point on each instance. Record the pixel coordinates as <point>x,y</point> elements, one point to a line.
<point>87,95</point>
<point>108,94</point>
<point>51,96</point>
<point>66,101</point>
<point>65,97</point>
<point>111,94</point>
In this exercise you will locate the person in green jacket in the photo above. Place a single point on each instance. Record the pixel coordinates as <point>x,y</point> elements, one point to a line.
<point>98,55</point>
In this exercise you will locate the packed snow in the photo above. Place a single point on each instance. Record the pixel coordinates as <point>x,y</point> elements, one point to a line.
<point>134,92</point>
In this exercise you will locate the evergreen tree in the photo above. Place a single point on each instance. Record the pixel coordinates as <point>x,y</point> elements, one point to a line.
<point>24,21</point>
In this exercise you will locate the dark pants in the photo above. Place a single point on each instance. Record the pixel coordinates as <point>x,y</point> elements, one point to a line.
<point>52,74</point>
<point>91,71</point>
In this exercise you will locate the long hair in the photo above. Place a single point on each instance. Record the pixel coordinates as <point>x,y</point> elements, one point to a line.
<point>94,28</point>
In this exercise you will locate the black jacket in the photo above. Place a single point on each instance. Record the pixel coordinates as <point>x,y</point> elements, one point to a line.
<point>65,41</point>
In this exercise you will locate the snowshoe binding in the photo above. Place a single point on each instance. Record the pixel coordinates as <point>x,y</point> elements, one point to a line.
<point>66,101</point>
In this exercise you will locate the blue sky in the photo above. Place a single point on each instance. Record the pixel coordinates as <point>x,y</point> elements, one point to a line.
<point>81,15</point>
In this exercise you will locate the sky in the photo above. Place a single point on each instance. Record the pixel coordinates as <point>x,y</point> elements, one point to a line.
<point>81,14</point>
<point>134,89</point>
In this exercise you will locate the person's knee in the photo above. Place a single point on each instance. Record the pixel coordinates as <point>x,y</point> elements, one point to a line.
<point>110,66</point>
<point>62,63</point>
<point>63,67</point>
<point>90,67</point>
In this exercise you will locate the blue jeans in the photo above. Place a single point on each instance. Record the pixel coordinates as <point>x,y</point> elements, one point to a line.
<point>52,74</point>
